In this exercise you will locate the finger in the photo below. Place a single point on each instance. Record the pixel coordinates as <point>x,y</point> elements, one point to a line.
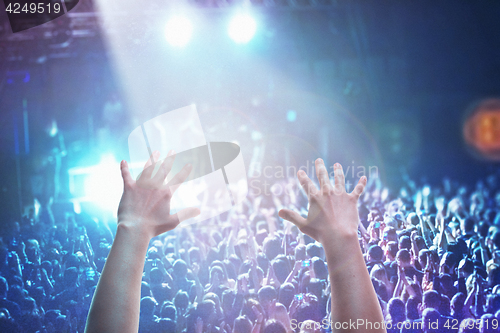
<point>186,213</point>
<point>292,216</point>
<point>177,218</point>
<point>180,177</point>
<point>322,175</point>
<point>150,165</point>
<point>165,168</point>
<point>127,178</point>
<point>152,159</point>
<point>360,187</point>
<point>306,183</point>
<point>339,178</point>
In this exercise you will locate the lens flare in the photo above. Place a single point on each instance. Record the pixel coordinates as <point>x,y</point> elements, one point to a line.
<point>179,31</point>
<point>242,28</point>
<point>103,185</point>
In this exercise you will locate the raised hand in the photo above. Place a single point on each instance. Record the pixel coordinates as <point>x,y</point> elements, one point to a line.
<point>244,284</point>
<point>332,211</point>
<point>333,221</point>
<point>401,273</point>
<point>145,203</point>
<point>224,328</point>
<point>143,213</point>
<point>198,326</point>
<point>258,314</point>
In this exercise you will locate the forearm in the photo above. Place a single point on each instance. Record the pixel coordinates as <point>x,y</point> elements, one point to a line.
<point>484,255</point>
<point>47,285</point>
<point>230,245</point>
<point>443,241</point>
<point>479,305</point>
<point>290,276</point>
<point>115,306</point>
<point>468,304</point>
<point>199,289</point>
<point>398,289</point>
<point>19,271</point>
<point>353,296</point>
<point>426,234</point>
<point>255,279</point>
<point>414,248</point>
<point>256,328</point>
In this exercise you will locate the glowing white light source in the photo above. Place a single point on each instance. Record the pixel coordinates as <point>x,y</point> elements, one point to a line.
<point>242,28</point>
<point>103,185</point>
<point>178,31</point>
<point>426,191</point>
<point>291,115</point>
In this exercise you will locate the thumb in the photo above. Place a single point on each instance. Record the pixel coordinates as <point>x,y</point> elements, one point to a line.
<point>177,218</point>
<point>127,178</point>
<point>293,217</point>
<point>187,213</point>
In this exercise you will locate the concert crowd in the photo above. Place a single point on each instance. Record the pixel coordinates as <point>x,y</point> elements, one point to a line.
<point>433,254</point>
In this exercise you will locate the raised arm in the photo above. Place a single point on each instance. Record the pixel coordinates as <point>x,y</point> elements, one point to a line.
<point>333,220</point>
<point>143,213</point>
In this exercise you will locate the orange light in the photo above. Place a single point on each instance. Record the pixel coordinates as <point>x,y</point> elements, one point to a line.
<point>482,129</point>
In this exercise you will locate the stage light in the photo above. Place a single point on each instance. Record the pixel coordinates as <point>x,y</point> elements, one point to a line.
<point>481,129</point>
<point>178,31</point>
<point>291,116</point>
<point>103,184</point>
<point>242,28</point>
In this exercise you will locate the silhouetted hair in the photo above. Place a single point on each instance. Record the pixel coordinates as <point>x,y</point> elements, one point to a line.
<point>274,326</point>
<point>242,325</point>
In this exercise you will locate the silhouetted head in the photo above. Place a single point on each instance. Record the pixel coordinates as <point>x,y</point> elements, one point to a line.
<point>242,325</point>
<point>396,309</point>
<point>180,268</point>
<point>431,299</point>
<point>148,306</point>
<point>274,326</point>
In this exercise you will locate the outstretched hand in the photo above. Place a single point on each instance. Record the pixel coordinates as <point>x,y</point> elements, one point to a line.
<point>332,211</point>
<point>145,203</point>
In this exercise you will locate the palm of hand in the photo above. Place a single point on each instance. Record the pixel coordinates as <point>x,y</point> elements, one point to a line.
<point>145,203</point>
<point>150,207</point>
<point>331,209</point>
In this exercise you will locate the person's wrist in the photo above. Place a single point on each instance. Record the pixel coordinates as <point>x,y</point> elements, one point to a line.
<point>134,230</point>
<point>329,238</point>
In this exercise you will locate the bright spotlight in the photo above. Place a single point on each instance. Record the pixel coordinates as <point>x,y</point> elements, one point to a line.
<point>103,185</point>
<point>291,115</point>
<point>178,31</point>
<point>242,28</point>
